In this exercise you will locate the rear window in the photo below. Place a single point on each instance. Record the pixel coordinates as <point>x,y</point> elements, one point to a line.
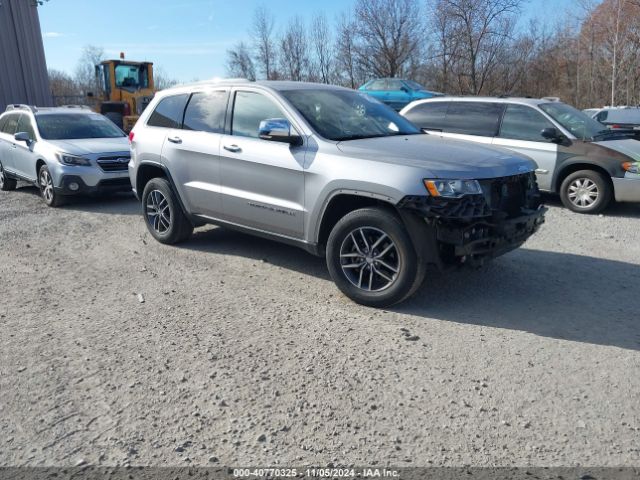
<point>169,112</point>
<point>473,118</point>
<point>429,115</point>
<point>205,112</point>
<point>74,126</point>
<point>631,115</point>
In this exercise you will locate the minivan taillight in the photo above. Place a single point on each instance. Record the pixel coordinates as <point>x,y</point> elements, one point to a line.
<point>131,135</point>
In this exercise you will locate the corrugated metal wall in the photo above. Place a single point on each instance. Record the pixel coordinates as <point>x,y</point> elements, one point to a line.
<point>23,68</point>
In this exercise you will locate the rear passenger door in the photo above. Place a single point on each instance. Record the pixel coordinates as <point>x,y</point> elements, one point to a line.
<point>429,116</point>
<point>193,151</point>
<point>262,180</point>
<point>473,121</point>
<point>520,131</point>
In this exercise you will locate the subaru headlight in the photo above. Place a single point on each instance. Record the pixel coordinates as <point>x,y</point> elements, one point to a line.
<point>68,159</point>
<point>631,167</point>
<point>452,188</point>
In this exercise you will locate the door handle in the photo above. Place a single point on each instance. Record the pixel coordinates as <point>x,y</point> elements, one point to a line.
<point>232,148</point>
<point>174,139</point>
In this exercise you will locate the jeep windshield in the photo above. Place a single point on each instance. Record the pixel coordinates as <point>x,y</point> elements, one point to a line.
<point>76,126</point>
<point>341,115</point>
<point>578,123</point>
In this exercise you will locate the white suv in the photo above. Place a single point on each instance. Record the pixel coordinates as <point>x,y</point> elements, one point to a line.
<point>64,150</point>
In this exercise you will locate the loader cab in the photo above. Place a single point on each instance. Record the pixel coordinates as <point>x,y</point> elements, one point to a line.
<point>127,88</point>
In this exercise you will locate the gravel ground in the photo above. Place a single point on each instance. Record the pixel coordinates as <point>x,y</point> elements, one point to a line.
<point>243,351</point>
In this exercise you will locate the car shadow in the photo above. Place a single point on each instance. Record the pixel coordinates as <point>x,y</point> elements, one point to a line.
<point>626,210</point>
<point>121,203</point>
<point>550,294</point>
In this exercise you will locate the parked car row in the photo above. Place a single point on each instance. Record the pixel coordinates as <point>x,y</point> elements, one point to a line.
<point>333,171</point>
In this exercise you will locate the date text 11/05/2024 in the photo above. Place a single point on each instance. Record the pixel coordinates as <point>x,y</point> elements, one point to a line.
<point>315,472</point>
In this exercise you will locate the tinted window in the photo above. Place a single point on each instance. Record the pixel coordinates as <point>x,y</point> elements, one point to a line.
<point>377,85</point>
<point>24,125</point>
<point>3,120</point>
<point>205,112</point>
<point>169,112</point>
<point>429,116</point>
<point>249,110</point>
<point>12,124</point>
<point>473,118</point>
<point>70,126</point>
<point>627,115</point>
<point>523,123</point>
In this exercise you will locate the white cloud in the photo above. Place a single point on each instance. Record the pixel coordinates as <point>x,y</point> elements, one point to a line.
<point>53,34</point>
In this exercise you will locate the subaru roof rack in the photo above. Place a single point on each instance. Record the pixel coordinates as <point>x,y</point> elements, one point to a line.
<point>84,107</point>
<point>20,106</point>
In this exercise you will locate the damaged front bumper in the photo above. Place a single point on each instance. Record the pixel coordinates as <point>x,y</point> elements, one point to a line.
<point>476,241</point>
<point>474,228</point>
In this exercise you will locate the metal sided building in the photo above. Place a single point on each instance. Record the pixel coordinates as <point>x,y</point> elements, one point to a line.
<point>23,68</point>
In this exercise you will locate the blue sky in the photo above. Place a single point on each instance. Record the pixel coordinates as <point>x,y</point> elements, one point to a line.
<point>187,39</point>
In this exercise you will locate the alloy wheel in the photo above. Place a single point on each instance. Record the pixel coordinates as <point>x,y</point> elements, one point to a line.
<point>158,211</point>
<point>369,259</point>
<point>46,186</point>
<point>583,192</point>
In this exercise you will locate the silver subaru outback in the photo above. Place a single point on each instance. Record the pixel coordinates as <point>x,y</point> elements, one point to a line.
<point>333,171</point>
<point>63,150</point>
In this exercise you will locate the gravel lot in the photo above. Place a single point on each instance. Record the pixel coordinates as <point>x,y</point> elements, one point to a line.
<point>244,352</point>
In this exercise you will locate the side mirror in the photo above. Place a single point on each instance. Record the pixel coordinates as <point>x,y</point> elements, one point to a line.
<point>405,89</point>
<point>90,94</point>
<point>278,130</point>
<point>552,134</point>
<point>22,137</point>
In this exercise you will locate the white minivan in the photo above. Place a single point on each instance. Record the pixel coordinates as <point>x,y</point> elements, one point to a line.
<point>587,164</point>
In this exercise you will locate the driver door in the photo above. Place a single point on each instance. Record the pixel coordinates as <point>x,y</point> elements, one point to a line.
<point>262,181</point>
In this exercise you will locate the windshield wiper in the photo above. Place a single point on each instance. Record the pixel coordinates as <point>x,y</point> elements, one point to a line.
<point>609,133</point>
<point>377,135</point>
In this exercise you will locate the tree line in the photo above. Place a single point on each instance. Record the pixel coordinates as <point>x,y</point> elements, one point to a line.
<point>588,57</point>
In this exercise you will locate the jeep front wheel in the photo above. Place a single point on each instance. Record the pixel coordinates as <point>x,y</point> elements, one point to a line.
<point>371,258</point>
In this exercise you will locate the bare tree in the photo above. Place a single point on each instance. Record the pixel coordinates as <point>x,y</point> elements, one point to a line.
<point>294,53</point>
<point>483,29</point>
<point>239,62</point>
<point>85,76</point>
<point>345,60</point>
<point>161,80</point>
<point>322,46</point>
<point>263,42</point>
<point>388,33</point>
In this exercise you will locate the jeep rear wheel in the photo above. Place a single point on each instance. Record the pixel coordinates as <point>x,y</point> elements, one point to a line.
<point>163,214</point>
<point>371,258</point>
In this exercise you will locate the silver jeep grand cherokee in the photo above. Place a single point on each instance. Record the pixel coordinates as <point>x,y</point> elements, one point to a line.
<point>333,171</point>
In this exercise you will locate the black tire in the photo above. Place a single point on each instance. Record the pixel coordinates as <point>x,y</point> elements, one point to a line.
<point>372,223</point>
<point>586,191</point>
<point>158,199</point>
<point>116,118</point>
<point>6,183</point>
<point>47,190</point>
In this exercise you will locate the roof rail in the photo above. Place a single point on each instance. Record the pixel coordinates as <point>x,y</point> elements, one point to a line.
<point>84,107</point>
<point>20,106</point>
<point>551,99</point>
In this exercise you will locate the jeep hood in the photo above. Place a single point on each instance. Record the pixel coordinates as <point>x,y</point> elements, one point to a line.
<point>443,158</point>
<point>86,146</point>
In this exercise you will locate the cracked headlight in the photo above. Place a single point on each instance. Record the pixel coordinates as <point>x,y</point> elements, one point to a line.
<point>452,188</point>
<point>68,159</point>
